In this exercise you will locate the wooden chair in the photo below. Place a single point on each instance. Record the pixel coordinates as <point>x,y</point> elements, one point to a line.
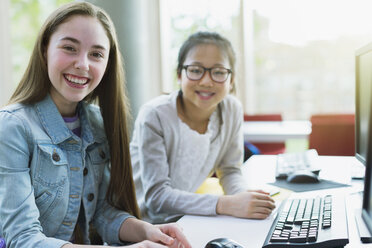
<point>267,148</point>
<point>333,134</point>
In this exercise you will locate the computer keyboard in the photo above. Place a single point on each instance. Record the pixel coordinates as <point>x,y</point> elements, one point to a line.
<point>288,163</point>
<point>319,222</point>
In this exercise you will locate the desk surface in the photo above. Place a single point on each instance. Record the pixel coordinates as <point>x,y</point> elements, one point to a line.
<point>260,170</point>
<point>275,131</point>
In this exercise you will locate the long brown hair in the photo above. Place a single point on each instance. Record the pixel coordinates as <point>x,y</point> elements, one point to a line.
<point>110,95</point>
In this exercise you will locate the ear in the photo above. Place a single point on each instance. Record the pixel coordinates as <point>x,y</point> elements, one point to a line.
<point>179,75</point>
<point>45,54</point>
<point>232,82</point>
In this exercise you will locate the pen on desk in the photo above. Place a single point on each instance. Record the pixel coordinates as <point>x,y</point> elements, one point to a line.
<point>274,193</point>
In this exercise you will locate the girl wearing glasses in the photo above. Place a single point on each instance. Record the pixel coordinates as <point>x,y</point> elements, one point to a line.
<point>183,138</point>
<point>65,168</point>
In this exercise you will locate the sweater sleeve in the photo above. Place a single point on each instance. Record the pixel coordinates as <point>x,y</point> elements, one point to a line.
<point>228,171</point>
<point>154,170</point>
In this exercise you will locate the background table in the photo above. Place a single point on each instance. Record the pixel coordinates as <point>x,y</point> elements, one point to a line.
<point>275,131</point>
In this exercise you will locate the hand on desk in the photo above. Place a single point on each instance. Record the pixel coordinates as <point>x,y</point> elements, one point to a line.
<point>253,204</point>
<point>154,236</point>
<point>166,235</point>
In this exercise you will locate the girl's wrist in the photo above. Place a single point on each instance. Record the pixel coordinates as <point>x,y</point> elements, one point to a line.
<point>146,229</point>
<point>133,230</point>
<point>223,204</point>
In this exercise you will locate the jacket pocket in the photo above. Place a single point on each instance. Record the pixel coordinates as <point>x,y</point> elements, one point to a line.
<point>52,165</point>
<point>43,199</point>
<point>51,206</point>
<point>99,157</point>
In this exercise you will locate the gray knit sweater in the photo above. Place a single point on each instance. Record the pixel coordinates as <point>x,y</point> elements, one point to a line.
<point>165,182</point>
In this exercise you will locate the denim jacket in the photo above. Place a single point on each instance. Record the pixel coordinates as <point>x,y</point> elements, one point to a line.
<point>46,172</point>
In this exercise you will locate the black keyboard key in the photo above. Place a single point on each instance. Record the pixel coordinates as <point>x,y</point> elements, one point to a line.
<point>301,223</point>
<point>298,239</point>
<point>311,237</point>
<point>278,239</point>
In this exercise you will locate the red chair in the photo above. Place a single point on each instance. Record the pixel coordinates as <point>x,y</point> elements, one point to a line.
<point>333,134</point>
<point>267,148</point>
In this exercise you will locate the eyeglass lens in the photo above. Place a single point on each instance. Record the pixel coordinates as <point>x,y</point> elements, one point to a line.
<point>218,74</point>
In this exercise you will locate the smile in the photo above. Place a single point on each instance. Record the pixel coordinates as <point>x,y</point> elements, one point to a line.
<point>76,80</point>
<point>205,95</point>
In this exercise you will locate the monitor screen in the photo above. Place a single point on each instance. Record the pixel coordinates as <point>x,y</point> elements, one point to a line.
<point>363,93</point>
<point>367,194</point>
<point>364,123</point>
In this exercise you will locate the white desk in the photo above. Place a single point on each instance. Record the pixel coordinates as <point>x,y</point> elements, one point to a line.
<point>259,170</point>
<point>275,131</point>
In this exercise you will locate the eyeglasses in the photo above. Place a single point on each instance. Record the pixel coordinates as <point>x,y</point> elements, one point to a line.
<point>196,72</point>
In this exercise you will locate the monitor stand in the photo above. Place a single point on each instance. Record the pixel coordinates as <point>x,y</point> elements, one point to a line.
<point>357,170</point>
<point>364,234</point>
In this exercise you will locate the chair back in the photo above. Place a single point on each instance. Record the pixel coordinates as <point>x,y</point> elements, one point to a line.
<point>267,148</point>
<point>333,134</point>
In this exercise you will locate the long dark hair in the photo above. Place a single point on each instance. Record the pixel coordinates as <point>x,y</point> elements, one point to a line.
<point>110,95</point>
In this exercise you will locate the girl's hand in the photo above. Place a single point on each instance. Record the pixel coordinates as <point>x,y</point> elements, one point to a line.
<point>255,204</point>
<point>170,235</point>
<point>146,244</point>
<point>143,244</point>
<point>148,235</point>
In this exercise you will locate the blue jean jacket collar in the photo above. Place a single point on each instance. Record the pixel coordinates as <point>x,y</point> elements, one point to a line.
<point>55,126</point>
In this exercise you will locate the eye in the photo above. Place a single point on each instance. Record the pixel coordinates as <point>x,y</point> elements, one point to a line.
<point>219,72</point>
<point>97,55</point>
<point>69,48</point>
<point>196,70</point>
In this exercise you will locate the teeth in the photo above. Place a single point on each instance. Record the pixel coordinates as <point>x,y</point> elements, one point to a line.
<point>205,94</point>
<point>76,80</point>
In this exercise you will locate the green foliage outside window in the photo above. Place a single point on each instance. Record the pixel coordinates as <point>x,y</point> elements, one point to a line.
<point>26,18</point>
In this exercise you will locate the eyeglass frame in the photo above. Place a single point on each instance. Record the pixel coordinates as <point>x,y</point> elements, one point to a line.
<point>229,71</point>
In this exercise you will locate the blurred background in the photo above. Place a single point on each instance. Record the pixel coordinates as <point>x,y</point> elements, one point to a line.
<point>295,57</point>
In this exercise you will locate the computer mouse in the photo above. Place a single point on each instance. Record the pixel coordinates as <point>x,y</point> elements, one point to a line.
<point>223,243</point>
<point>303,176</point>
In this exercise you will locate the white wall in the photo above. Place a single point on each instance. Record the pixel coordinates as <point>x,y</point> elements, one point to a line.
<point>6,86</point>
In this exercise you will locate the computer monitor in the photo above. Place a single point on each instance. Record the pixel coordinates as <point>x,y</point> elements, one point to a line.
<point>363,94</point>
<point>367,194</point>
<point>367,197</point>
<point>363,136</point>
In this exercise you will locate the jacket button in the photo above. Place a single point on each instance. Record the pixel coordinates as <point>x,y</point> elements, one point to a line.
<point>85,171</point>
<point>102,154</point>
<point>90,197</point>
<point>56,157</point>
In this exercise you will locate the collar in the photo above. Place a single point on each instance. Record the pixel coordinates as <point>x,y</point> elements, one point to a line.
<point>54,124</point>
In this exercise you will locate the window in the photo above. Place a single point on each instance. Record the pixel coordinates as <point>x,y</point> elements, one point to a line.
<point>182,18</point>
<point>295,57</point>
<point>26,19</point>
<point>304,54</point>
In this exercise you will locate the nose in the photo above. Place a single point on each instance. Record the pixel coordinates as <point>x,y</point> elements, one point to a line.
<point>206,80</point>
<point>82,62</point>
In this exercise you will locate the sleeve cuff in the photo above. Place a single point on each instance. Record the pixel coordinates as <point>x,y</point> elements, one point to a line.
<point>113,230</point>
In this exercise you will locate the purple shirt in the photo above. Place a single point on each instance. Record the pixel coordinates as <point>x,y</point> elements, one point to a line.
<point>73,123</point>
